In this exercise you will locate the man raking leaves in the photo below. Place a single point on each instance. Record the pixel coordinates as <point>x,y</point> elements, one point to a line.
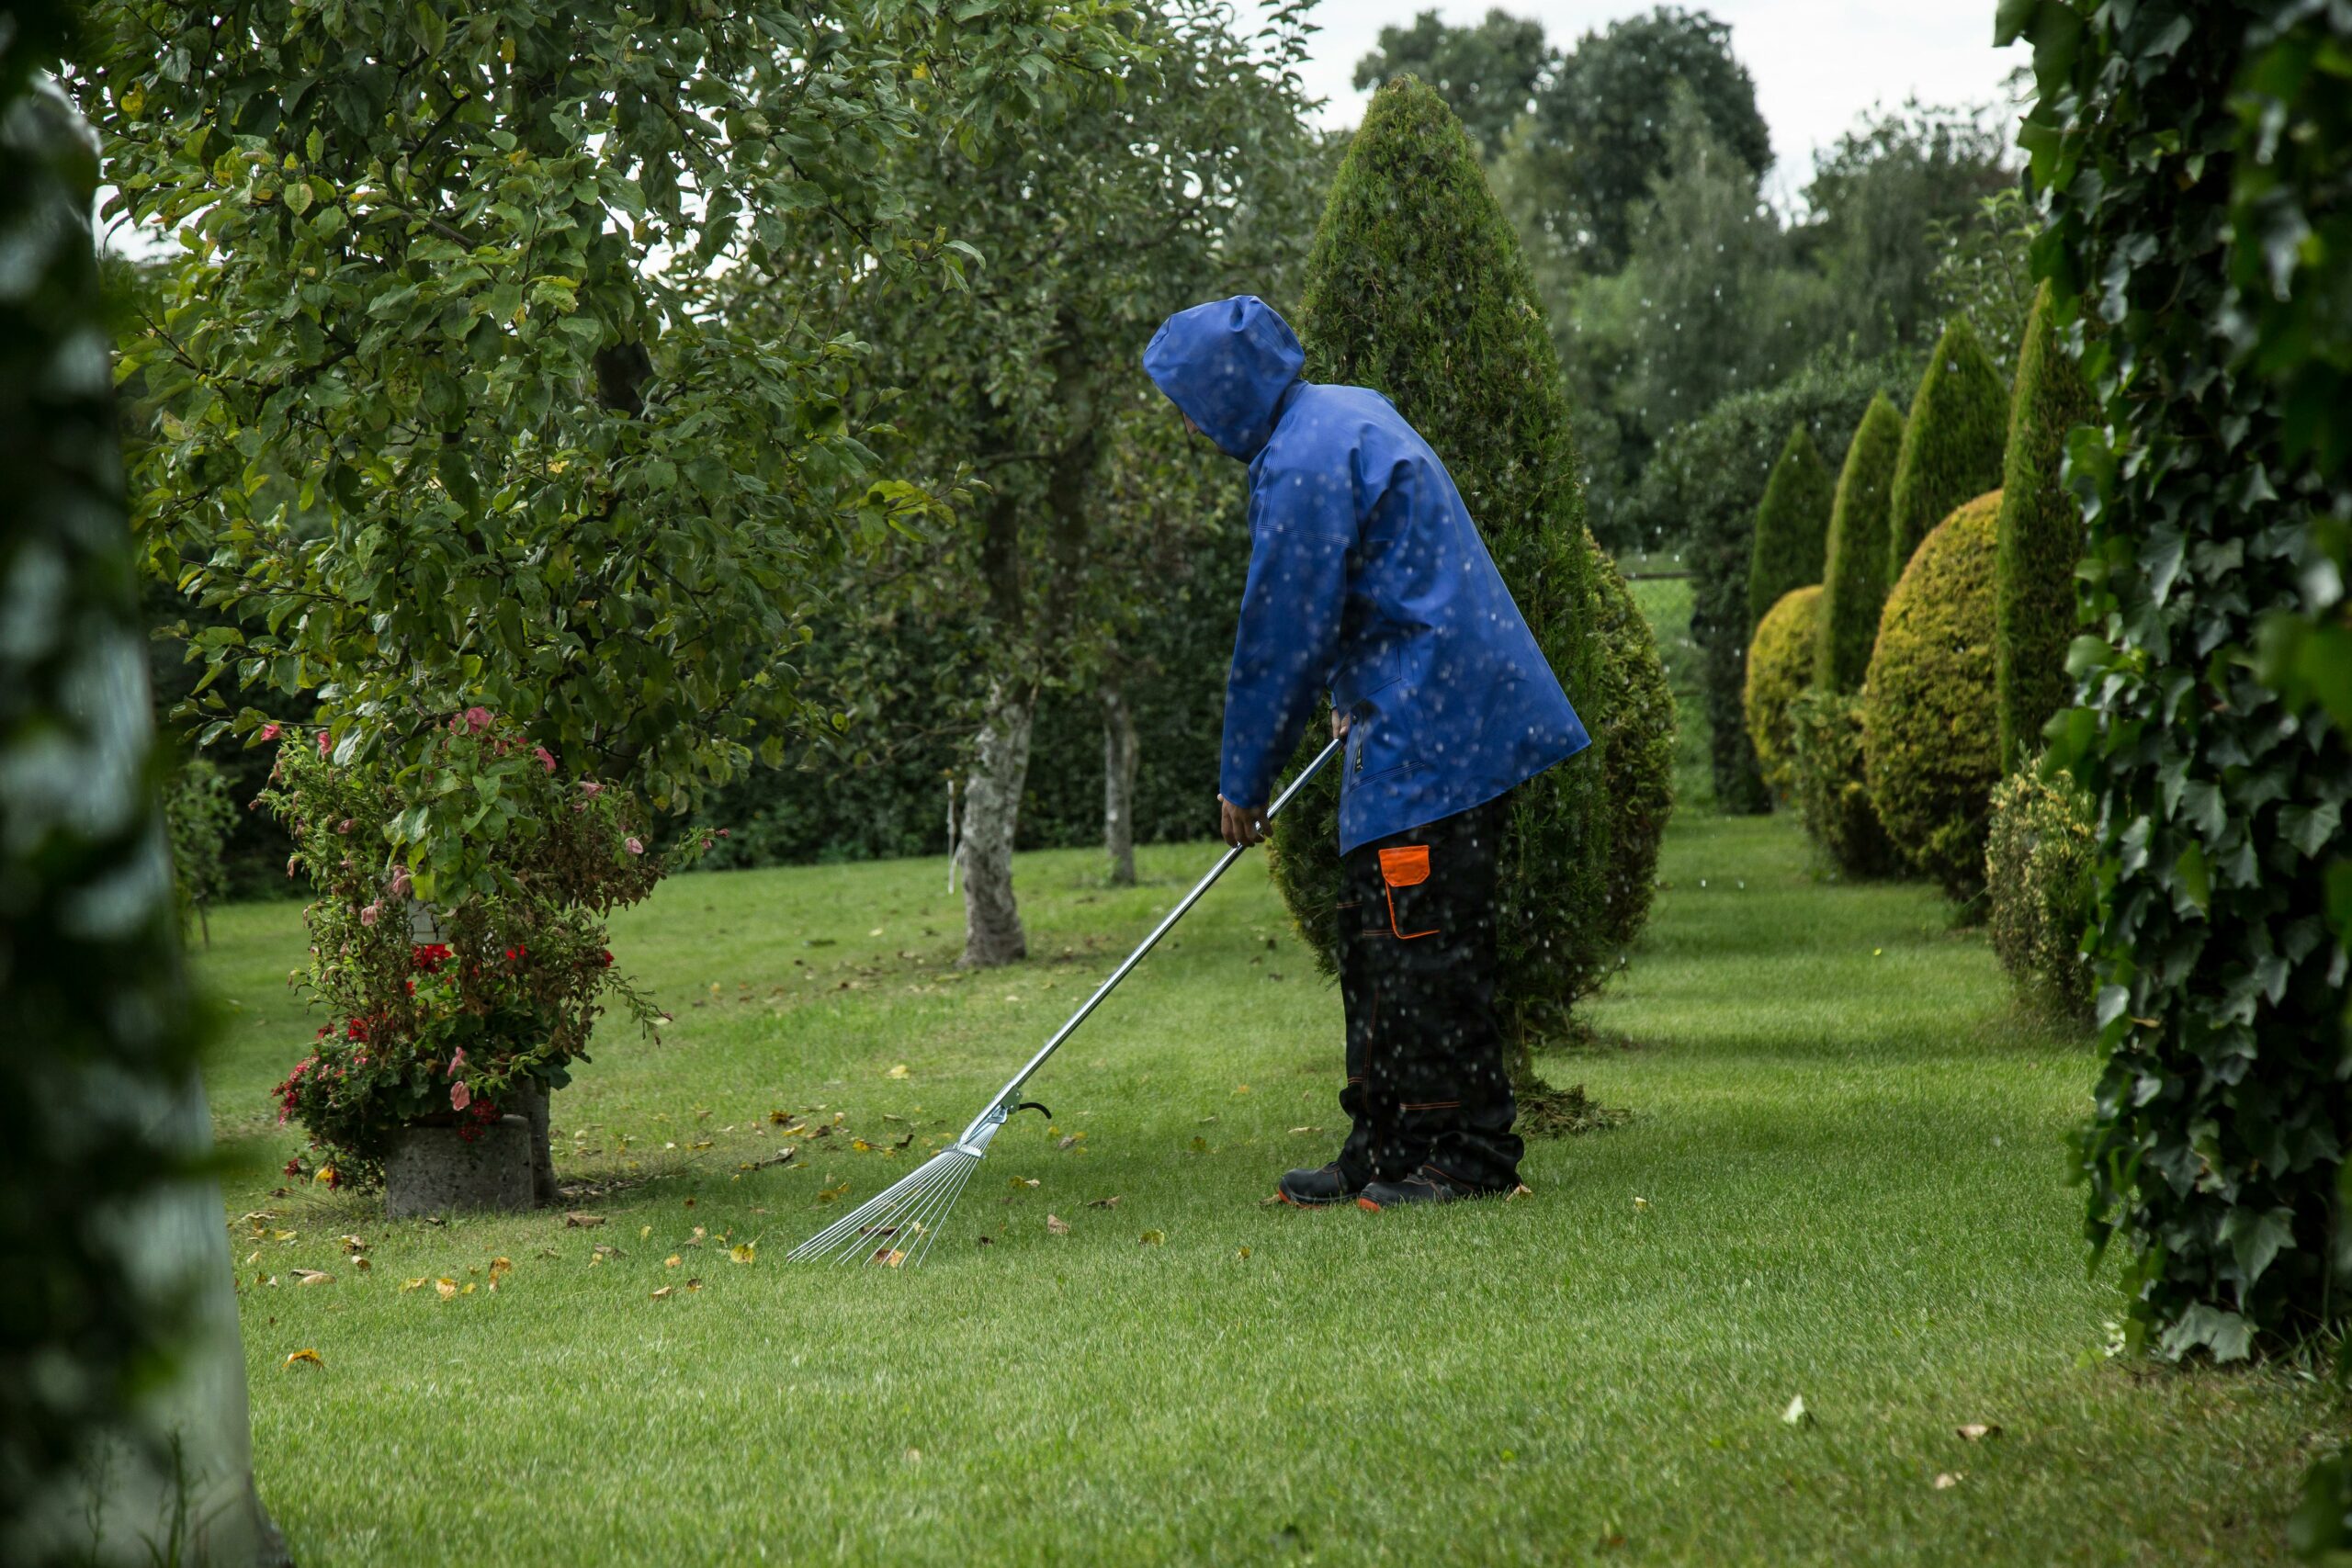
<point>1368,580</point>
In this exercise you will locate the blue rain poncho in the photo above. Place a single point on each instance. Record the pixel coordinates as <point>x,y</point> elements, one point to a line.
<point>1367,579</point>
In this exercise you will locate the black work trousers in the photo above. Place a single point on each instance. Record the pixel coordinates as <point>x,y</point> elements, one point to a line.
<point>1426,1081</point>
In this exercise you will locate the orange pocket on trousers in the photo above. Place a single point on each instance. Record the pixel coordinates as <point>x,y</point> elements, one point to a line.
<point>1408,866</point>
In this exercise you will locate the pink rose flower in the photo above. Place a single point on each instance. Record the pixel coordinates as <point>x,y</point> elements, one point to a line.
<point>546,757</point>
<point>636,847</point>
<point>460,1096</point>
<point>400,881</point>
<point>344,826</point>
<point>476,720</point>
<point>326,743</point>
<point>455,1063</point>
<point>291,861</point>
<point>368,916</point>
<point>591,787</point>
<point>269,732</point>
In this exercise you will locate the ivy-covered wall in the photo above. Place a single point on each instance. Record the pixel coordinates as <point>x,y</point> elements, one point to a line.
<point>2191,163</point>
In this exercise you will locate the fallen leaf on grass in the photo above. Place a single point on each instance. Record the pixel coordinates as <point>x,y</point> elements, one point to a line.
<point>1110,1202</point>
<point>1071,1142</point>
<point>1521,1190</point>
<point>898,1072</point>
<point>1243,1254</point>
<point>353,1244</point>
<point>743,1252</point>
<point>1977,1431</point>
<point>1304,1132</point>
<point>445,1287</point>
<point>672,1261</point>
<point>416,1284</point>
<point>1056,1225</point>
<point>1153,1239</point>
<point>1021,1181</point>
<point>1641,1203</point>
<point>693,1284</point>
<point>1796,1414</point>
<point>361,1263</point>
<point>663,1293</point>
<point>1946,1479</point>
<point>310,1356</point>
<point>581,1222</point>
<point>827,1194</point>
<point>312,1277</point>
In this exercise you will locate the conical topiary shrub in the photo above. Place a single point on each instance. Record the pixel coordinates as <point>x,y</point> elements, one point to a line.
<point>1416,288</point>
<point>2041,538</point>
<point>1952,443</point>
<point>1780,668</point>
<point>1930,739</point>
<point>1854,578</point>
<point>1791,525</point>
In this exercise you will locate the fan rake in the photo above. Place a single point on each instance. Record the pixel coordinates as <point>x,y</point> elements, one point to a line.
<point>898,1225</point>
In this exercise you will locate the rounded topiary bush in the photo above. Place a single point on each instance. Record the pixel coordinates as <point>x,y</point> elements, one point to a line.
<point>2040,859</point>
<point>1931,729</point>
<point>1416,288</point>
<point>1779,667</point>
<point>1825,775</point>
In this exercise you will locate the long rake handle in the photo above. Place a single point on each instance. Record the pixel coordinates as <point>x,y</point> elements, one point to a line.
<point>998,1107</point>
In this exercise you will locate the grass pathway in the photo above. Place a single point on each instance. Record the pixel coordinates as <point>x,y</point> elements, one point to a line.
<point>1846,1143</point>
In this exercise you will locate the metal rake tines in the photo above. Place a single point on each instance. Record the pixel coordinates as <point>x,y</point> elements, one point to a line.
<point>898,1225</point>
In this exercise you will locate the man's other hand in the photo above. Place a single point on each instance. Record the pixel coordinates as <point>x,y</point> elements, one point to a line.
<point>1239,826</point>
<point>1338,725</point>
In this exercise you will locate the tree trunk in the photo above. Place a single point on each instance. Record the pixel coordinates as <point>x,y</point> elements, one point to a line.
<point>532,1104</point>
<point>1118,783</point>
<point>993,933</point>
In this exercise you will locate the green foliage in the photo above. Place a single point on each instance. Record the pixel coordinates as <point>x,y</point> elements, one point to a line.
<point>96,1012</point>
<point>1487,73</point>
<point>1854,578</point>
<point>1791,524</point>
<point>1887,195</point>
<point>1427,300</point>
<point>1984,273</point>
<point>2042,537</point>
<point>1706,484</point>
<point>198,816</point>
<point>2189,166</point>
<point>1832,791</point>
<point>1930,742</point>
<point>445,415</point>
<point>1601,130</point>
<point>2040,869</point>
<point>1952,443</point>
<point>1779,669</point>
<point>1637,742</point>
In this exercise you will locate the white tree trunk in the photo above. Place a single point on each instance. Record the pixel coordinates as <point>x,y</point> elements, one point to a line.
<point>1118,783</point>
<point>993,933</point>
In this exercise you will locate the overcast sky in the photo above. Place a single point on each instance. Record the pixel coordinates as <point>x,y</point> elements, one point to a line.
<point>1817,63</point>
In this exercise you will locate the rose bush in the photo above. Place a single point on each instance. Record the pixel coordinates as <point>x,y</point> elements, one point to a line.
<point>446,1014</point>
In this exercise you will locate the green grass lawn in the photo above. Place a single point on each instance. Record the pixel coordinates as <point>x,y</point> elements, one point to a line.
<point>1842,1180</point>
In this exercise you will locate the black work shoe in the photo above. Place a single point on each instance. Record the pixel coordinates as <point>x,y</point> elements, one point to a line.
<point>1424,1186</point>
<point>1314,1188</point>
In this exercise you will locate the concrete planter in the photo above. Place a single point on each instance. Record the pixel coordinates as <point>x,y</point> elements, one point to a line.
<point>434,1170</point>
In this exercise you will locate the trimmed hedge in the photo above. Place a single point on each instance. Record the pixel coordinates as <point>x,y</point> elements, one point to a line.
<point>1705,483</point>
<point>1791,524</point>
<point>2042,537</point>
<point>1833,796</point>
<point>1930,742</point>
<point>1779,667</point>
<point>1636,740</point>
<point>1416,287</point>
<point>1854,580</point>
<point>2040,859</point>
<point>1951,444</point>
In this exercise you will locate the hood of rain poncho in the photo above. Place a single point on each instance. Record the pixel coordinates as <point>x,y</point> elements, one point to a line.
<point>1227,365</point>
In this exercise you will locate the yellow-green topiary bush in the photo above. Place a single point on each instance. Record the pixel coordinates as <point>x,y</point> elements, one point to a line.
<point>1930,718</point>
<point>2039,867</point>
<point>1779,666</point>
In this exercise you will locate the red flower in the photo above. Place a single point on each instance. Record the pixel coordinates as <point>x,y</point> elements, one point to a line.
<point>460,1096</point>
<point>294,1166</point>
<point>607,954</point>
<point>356,1030</point>
<point>326,743</point>
<point>476,720</point>
<point>428,957</point>
<point>269,732</point>
<point>546,757</point>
